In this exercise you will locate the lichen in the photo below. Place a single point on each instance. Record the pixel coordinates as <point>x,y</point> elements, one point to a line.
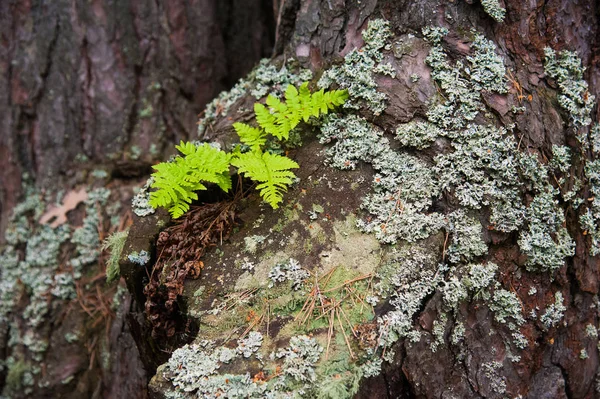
<point>487,70</point>
<point>574,97</point>
<point>140,203</point>
<point>546,241</point>
<point>494,9</point>
<point>291,272</point>
<point>590,218</point>
<point>467,238</point>
<point>141,259</point>
<point>554,313</point>
<point>356,73</point>
<point>438,331</point>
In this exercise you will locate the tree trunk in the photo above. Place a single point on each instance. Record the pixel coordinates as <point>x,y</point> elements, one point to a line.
<point>120,77</point>
<point>104,86</point>
<point>113,82</point>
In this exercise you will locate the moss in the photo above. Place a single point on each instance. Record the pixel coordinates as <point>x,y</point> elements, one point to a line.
<point>115,244</point>
<point>15,375</point>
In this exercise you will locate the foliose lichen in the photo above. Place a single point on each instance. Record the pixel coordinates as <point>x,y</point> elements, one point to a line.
<point>140,203</point>
<point>291,272</point>
<point>574,97</point>
<point>494,9</point>
<point>356,73</point>
<point>554,313</point>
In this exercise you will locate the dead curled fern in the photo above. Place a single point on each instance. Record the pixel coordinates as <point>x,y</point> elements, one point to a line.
<point>176,182</point>
<point>179,250</point>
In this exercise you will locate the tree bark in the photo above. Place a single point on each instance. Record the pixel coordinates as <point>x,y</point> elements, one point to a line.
<point>113,82</point>
<point>99,79</point>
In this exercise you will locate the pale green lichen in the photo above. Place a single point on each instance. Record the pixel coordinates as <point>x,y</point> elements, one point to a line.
<point>561,158</point>
<point>140,203</point>
<point>595,138</point>
<point>546,241</point>
<point>554,313</point>
<point>193,370</point>
<point>36,268</point>
<point>356,73</point>
<point>487,68</point>
<point>467,238</point>
<point>507,308</point>
<point>494,9</point>
<point>141,259</point>
<point>491,371</point>
<point>418,134</point>
<point>438,332</point>
<point>574,97</point>
<point>291,272</point>
<point>590,218</point>
<point>413,276</point>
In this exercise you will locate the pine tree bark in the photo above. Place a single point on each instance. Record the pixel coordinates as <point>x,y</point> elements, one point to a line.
<point>113,82</point>
<point>98,78</point>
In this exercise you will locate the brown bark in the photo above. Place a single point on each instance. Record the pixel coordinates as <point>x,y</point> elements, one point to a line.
<point>102,80</point>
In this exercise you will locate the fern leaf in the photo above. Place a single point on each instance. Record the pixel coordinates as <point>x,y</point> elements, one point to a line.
<point>265,119</point>
<point>270,170</point>
<point>251,136</point>
<point>176,182</point>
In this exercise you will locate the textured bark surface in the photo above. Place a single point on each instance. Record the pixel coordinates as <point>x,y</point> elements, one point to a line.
<point>113,82</point>
<point>84,82</point>
<point>320,32</point>
<point>551,369</point>
<point>107,85</point>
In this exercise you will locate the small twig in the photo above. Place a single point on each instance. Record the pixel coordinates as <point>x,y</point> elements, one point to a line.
<point>347,282</point>
<point>345,336</point>
<point>445,246</point>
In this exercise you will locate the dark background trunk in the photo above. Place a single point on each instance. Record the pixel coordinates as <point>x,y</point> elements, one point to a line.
<point>114,82</point>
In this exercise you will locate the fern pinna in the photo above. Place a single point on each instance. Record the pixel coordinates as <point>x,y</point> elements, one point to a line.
<point>176,182</point>
<point>278,118</point>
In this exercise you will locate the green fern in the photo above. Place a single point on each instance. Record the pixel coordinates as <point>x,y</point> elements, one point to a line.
<point>176,182</point>
<point>281,117</point>
<point>270,170</point>
<point>253,137</point>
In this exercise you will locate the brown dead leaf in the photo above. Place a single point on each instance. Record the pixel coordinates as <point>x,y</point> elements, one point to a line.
<point>57,215</point>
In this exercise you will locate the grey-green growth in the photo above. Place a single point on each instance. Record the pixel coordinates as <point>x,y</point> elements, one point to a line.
<point>114,243</point>
<point>356,73</point>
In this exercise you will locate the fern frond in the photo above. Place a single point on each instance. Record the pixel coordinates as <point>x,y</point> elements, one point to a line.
<point>176,182</point>
<point>253,137</point>
<point>270,170</point>
<point>265,119</point>
<point>279,118</point>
